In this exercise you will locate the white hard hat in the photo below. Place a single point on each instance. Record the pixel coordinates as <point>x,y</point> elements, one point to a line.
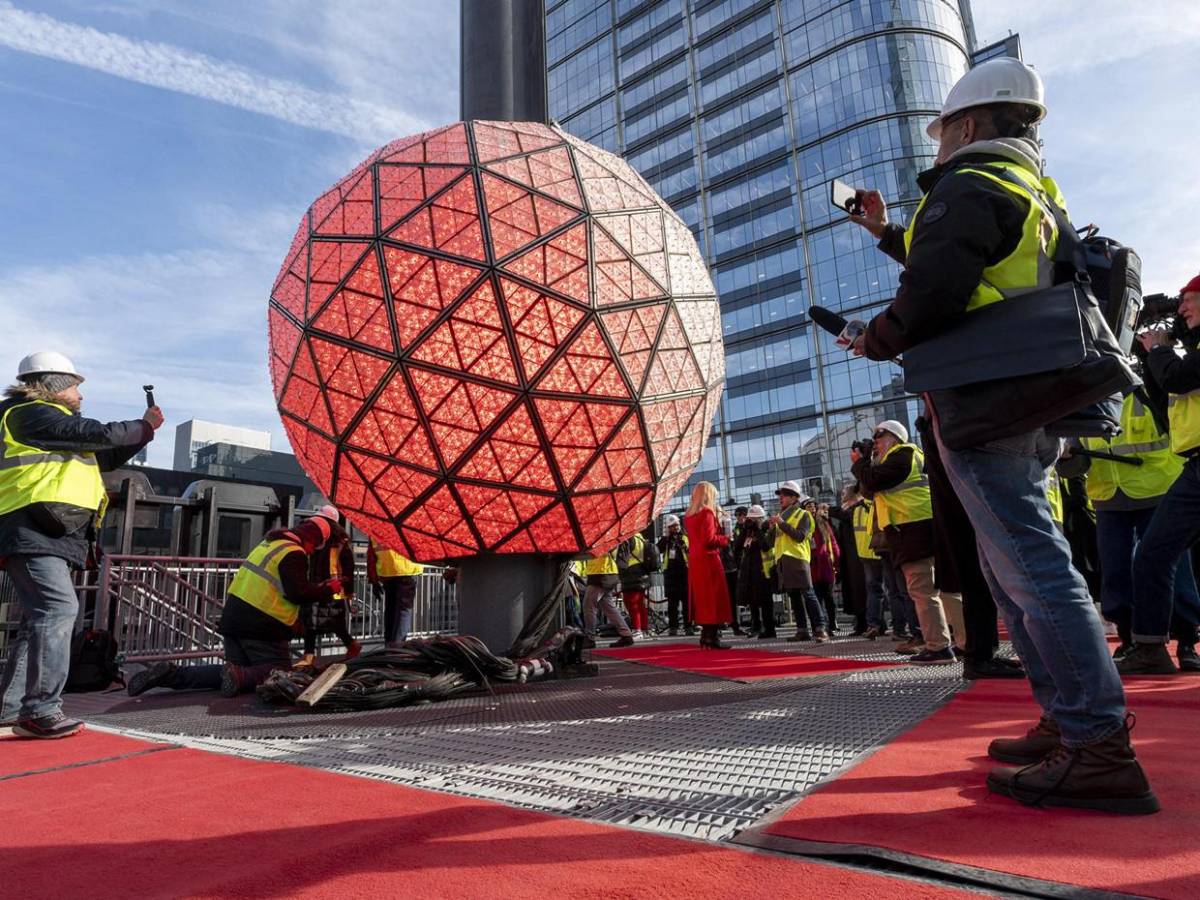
<point>1001,80</point>
<point>756,512</point>
<point>894,427</point>
<point>46,362</point>
<point>791,486</point>
<point>670,520</point>
<point>329,511</point>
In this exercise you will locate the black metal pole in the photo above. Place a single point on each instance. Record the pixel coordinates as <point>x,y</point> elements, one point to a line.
<point>503,60</point>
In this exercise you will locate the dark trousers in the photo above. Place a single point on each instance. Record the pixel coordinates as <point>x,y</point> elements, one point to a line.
<point>1118,534</point>
<point>731,580</point>
<point>677,600</point>
<point>757,595</point>
<point>256,659</point>
<point>904,611</point>
<point>980,616</point>
<point>399,593</point>
<point>340,627</point>
<point>824,591</point>
<point>806,608</point>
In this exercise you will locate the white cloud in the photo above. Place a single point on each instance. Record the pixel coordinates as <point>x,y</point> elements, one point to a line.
<point>177,69</point>
<point>1075,35</point>
<point>192,322</point>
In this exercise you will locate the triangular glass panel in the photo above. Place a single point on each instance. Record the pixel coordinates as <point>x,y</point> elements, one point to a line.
<point>560,264</point>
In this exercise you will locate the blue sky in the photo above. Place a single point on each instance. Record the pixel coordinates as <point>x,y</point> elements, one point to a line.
<point>157,156</point>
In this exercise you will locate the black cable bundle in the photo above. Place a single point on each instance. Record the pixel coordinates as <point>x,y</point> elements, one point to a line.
<point>420,671</point>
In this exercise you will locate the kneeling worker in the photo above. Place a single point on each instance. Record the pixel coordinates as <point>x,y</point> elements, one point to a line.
<point>261,615</point>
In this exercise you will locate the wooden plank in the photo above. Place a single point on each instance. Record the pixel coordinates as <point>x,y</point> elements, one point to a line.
<point>321,686</point>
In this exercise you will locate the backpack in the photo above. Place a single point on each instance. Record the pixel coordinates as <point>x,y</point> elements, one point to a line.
<point>93,662</point>
<point>1116,274</point>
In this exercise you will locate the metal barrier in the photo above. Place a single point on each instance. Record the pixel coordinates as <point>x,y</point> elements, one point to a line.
<point>160,607</point>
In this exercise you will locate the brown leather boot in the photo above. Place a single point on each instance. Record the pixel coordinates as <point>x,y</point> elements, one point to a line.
<point>1104,775</point>
<point>1039,742</point>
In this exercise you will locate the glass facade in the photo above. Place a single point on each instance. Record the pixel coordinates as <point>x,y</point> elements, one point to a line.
<point>739,112</point>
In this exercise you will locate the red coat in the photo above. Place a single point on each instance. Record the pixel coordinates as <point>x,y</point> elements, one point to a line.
<point>825,557</point>
<point>708,594</point>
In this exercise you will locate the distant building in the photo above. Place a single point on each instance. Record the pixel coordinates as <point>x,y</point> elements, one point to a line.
<point>225,460</point>
<point>140,458</point>
<point>195,434</point>
<point>739,113</point>
<point>1009,46</point>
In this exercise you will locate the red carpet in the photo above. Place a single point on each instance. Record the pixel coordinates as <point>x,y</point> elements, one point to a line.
<point>925,794</point>
<point>18,756</point>
<point>189,823</point>
<point>739,664</point>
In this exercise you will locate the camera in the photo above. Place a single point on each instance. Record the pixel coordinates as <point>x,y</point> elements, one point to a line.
<point>865,447</point>
<point>1158,308</point>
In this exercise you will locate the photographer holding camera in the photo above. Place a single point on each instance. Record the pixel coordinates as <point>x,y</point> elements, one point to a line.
<point>986,232</point>
<point>894,475</point>
<point>1176,523</point>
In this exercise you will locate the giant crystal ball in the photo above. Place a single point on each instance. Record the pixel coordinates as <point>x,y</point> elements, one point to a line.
<point>495,337</point>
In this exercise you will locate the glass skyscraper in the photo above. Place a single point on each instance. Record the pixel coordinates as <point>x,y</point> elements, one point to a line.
<point>740,112</point>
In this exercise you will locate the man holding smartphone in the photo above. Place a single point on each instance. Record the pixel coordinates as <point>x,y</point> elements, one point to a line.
<point>984,232</point>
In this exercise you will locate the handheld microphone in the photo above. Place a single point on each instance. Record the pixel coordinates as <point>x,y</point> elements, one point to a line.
<point>830,321</point>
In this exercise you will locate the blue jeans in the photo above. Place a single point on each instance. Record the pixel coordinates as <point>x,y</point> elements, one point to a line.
<point>873,576</point>
<point>1044,601</point>
<point>1174,528</point>
<point>904,611</point>
<point>40,657</point>
<point>805,601</point>
<point>398,596</point>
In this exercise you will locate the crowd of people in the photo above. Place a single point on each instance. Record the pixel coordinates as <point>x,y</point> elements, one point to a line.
<point>992,516</point>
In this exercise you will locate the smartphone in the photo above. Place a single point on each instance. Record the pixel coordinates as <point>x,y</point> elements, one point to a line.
<point>846,198</point>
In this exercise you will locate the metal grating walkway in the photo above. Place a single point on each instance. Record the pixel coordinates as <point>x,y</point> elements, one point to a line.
<point>638,746</point>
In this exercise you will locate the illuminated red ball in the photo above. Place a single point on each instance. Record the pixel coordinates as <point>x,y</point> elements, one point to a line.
<point>495,337</point>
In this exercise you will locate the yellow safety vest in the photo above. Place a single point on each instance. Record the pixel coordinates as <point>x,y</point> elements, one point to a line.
<point>667,557</point>
<point>601,565</point>
<point>1183,410</point>
<point>636,550</point>
<point>1030,266</point>
<point>257,582</point>
<point>909,500</point>
<point>798,519</point>
<point>31,475</point>
<point>1140,438</point>
<point>1054,495</point>
<point>862,521</point>
<point>390,564</point>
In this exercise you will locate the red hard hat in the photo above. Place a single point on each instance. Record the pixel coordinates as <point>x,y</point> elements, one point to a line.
<point>1192,286</point>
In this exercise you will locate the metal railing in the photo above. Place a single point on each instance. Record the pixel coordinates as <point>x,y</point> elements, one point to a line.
<point>160,607</point>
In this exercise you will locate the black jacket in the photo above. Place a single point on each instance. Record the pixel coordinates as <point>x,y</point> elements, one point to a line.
<point>59,529</point>
<point>1175,374</point>
<point>912,540</point>
<point>676,570</point>
<point>967,224</point>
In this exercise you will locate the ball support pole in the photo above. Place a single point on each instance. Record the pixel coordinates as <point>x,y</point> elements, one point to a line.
<point>496,594</point>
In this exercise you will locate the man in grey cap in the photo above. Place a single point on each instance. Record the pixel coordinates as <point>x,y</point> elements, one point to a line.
<point>52,499</point>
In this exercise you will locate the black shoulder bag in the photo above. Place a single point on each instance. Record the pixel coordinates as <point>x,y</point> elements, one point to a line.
<point>1046,359</point>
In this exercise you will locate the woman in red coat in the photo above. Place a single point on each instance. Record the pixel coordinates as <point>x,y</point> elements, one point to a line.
<point>708,594</point>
